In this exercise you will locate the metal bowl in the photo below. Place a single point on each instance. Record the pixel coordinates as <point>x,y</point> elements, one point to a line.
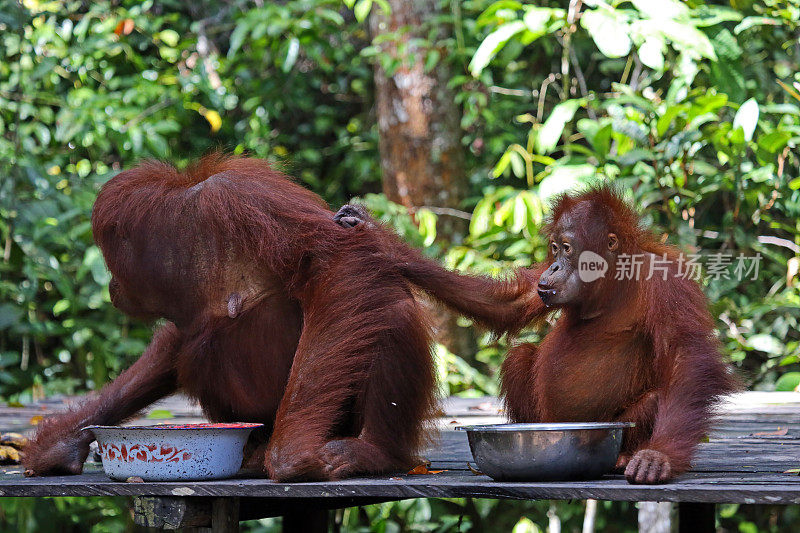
<point>172,452</point>
<point>546,452</point>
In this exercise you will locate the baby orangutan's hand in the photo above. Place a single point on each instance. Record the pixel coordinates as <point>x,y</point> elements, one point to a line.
<point>352,215</point>
<point>648,467</point>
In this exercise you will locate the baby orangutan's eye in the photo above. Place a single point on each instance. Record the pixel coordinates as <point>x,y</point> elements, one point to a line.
<point>554,248</point>
<point>567,247</point>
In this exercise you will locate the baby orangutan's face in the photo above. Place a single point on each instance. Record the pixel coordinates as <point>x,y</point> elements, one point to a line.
<point>561,283</point>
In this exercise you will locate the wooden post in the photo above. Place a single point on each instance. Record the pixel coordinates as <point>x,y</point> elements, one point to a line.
<point>696,517</point>
<point>309,520</point>
<point>168,512</point>
<point>225,515</point>
<point>655,517</point>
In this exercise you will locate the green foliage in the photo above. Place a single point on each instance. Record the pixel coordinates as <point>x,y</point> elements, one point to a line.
<point>56,515</point>
<point>691,107</point>
<point>89,88</point>
<point>709,160</point>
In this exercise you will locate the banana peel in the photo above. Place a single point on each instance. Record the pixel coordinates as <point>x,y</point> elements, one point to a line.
<point>13,439</point>
<point>9,455</point>
<point>10,446</point>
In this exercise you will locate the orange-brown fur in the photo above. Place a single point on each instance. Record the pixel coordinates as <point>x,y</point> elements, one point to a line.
<point>624,350</point>
<point>647,354</point>
<point>275,314</point>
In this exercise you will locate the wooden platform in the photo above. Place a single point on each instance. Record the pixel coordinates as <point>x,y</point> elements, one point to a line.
<point>755,441</point>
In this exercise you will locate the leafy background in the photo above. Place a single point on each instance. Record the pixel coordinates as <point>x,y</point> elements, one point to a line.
<point>692,107</point>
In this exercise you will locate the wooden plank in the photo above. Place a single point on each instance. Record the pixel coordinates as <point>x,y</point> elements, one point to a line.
<point>727,455</point>
<point>455,484</point>
<point>756,404</point>
<point>743,414</point>
<point>735,466</point>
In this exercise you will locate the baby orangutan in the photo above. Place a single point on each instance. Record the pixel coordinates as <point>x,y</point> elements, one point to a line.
<point>637,349</point>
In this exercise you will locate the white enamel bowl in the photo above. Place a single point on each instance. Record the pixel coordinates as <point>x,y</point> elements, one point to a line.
<point>172,452</point>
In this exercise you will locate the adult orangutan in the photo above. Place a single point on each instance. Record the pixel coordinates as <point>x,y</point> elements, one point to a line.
<point>639,349</point>
<point>275,314</point>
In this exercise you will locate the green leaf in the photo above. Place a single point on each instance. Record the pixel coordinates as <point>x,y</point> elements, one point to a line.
<point>609,30</point>
<point>747,118</point>
<point>170,37</point>
<point>688,38</point>
<point>238,36</point>
<point>788,381</point>
<point>499,11</point>
<point>631,157</point>
<point>492,44</point>
<point>728,76</point>
<point>502,164</point>
<point>774,141</point>
<point>765,343</point>
<point>664,121</point>
<point>361,10</point>
<point>60,307</point>
<point>750,22</point>
<point>517,164</point>
<point>564,178</point>
<point>704,16</point>
<point>481,217</point>
<point>291,54</point>
<point>93,260</point>
<point>651,52</point>
<point>432,59</point>
<point>726,46</point>
<point>427,225</point>
<point>661,9</point>
<point>533,208</point>
<point>536,19</point>
<point>526,525</point>
<point>385,7</point>
<point>598,133</point>
<point>728,71</point>
<point>707,103</point>
<point>520,214</point>
<point>551,130</point>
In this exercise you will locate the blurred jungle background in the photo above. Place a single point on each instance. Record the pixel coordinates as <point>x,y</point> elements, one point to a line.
<point>453,120</point>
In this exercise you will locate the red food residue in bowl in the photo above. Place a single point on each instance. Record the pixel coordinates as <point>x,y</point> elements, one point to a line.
<point>204,425</point>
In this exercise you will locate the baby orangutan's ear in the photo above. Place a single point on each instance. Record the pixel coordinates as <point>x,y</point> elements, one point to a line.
<point>613,242</point>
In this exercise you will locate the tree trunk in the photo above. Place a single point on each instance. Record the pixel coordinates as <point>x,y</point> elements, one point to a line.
<point>422,160</point>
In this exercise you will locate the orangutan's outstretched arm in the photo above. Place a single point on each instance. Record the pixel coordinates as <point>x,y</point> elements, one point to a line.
<point>60,447</point>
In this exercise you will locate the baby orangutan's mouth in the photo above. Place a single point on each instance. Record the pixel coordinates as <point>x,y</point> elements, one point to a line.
<point>546,295</point>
